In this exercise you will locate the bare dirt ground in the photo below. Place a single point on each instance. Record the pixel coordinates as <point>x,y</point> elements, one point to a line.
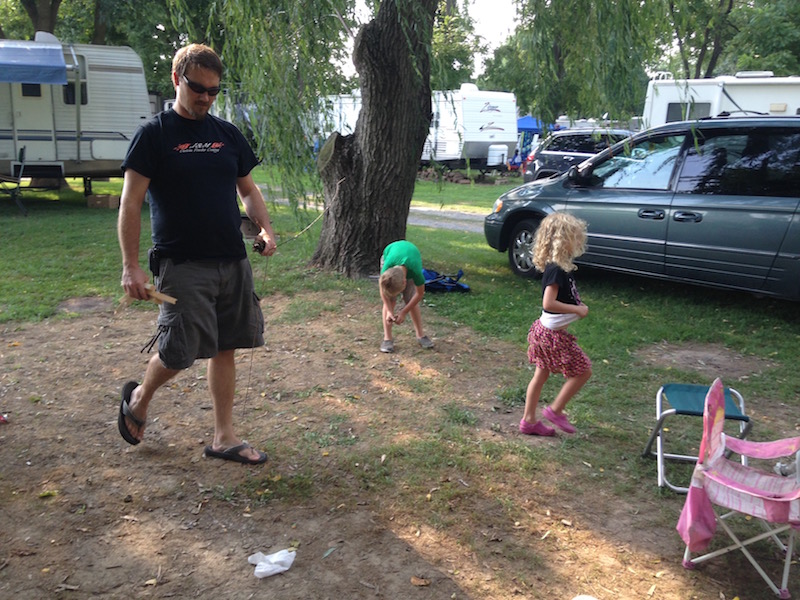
<point>82,514</point>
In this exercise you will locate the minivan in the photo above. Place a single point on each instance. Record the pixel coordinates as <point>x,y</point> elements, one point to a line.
<point>711,202</point>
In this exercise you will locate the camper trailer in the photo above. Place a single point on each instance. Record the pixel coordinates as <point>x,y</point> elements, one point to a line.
<point>472,125</point>
<point>68,110</point>
<point>746,93</point>
<point>467,125</point>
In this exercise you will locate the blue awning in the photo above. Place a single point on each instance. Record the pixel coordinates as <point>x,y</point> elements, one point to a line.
<point>528,123</point>
<point>32,62</point>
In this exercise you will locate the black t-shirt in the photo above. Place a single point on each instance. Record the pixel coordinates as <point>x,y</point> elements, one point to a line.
<point>567,289</point>
<point>193,167</point>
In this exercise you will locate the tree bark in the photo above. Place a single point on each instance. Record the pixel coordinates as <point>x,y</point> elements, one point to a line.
<point>43,13</point>
<point>100,30</point>
<point>369,176</point>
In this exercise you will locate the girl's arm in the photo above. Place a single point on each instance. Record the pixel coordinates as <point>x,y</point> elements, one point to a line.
<point>551,304</point>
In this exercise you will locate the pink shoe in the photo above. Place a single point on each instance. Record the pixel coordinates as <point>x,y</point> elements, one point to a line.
<point>537,428</point>
<point>559,421</point>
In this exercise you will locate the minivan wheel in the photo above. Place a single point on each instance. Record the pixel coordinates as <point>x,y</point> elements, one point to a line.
<point>520,248</point>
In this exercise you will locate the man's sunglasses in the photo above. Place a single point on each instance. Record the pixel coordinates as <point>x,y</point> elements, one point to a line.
<point>199,89</point>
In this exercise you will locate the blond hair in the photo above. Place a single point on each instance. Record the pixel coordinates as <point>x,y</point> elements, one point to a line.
<point>198,55</point>
<point>559,239</point>
<point>393,280</point>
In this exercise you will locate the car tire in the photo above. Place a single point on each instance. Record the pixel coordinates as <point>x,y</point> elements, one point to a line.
<point>520,248</point>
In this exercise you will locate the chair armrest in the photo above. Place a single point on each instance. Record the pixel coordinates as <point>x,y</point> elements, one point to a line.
<point>763,450</point>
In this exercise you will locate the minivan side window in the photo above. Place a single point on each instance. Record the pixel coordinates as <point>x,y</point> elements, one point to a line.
<point>646,166</point>
<point>744,163</point>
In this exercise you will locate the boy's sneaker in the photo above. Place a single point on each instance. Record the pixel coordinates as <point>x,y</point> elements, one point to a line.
<point>425,342</point>
<point>387,346</point>
<point>559,421</point>
<point>537,428</point>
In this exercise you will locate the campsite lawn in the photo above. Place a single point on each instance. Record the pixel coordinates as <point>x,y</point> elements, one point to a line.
<point>428,431</point>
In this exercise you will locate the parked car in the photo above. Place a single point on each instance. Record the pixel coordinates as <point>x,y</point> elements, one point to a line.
<point>711,202</point>
<point>560,150</point>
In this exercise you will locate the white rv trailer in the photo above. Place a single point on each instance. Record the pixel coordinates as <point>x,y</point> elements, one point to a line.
<point>62,129</point>
<point>747,93</point>
<point>474,125</point>
<point>467,125</point>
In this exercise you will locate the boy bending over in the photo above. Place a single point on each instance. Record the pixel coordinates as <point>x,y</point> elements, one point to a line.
<point>401,272</point>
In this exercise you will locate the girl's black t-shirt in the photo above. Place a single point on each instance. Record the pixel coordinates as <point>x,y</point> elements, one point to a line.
<point>567,289</point>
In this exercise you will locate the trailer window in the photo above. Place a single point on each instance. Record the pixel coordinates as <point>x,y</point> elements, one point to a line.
<point>677,111</point>
<point>31,90</point>
<point>69,93</point>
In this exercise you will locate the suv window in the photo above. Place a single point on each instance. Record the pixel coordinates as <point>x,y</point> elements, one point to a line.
<point>646,166</point>
<point>585,143</point>
<point>570,143</point>
<point>743,163</point>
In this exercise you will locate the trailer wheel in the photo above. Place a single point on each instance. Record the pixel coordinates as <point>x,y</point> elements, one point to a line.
<point>520,248</point>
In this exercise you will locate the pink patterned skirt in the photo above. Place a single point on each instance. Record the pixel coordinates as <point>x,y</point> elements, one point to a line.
<point>556,351</point>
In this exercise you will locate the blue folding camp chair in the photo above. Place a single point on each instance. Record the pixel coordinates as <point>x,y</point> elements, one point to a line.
<point>688,400</point>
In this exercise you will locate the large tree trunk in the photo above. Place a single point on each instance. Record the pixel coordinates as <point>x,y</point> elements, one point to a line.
<point>43,13</point>
<point>369,176</point>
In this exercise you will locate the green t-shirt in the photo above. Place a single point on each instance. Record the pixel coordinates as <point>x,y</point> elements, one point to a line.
<point>404,254</point>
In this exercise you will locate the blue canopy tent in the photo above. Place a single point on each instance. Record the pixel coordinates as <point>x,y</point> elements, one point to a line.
<point>528,127</point>
<point>32,62</point>
<point>529,124</point>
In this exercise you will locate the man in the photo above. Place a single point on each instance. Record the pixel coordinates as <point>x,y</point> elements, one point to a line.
<point>193,165</point>
<point>401,272</point>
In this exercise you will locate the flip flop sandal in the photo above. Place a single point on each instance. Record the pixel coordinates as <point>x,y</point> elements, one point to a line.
<point>234,454</point>
<point>125,411</point>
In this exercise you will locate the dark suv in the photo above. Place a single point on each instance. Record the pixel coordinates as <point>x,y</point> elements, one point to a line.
<point>712,202</point>
<point>559,151</point>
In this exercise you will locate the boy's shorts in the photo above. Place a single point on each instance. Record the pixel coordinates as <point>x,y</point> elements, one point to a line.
<point>217,309</point>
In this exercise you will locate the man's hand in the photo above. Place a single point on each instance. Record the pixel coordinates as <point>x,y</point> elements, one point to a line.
<point>264,244</point>
<point>133,282</point>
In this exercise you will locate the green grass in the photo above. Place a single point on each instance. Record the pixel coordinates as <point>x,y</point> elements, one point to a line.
<point>64,250</point>
<point>473,197</point>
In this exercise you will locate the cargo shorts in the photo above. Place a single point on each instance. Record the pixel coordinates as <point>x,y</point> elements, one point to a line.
<point>217,309</point>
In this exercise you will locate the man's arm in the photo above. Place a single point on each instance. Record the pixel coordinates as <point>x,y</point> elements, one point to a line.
<point>129,229</point>
<point>256,210</point>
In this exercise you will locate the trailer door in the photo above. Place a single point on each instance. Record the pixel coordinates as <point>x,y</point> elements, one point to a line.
<point>32,106</point>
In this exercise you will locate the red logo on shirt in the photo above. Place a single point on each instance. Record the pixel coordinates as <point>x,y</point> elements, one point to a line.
<point>199,147</point>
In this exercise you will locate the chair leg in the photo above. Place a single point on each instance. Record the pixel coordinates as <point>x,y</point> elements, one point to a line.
<point>783,592</point>
<point>787,563</point>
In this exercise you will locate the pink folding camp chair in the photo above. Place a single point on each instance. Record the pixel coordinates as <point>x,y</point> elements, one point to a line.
<point>742,490</point>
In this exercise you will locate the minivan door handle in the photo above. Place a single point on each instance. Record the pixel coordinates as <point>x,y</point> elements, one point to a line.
<point>648,213</point>
<point>685,216</point>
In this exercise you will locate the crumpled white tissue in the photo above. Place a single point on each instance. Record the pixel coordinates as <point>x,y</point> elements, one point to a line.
<point>271,564</point>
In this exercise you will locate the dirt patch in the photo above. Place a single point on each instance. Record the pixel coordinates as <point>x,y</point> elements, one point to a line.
<point>85,515</point>
<point>710,360</point>
<point>84,305</point>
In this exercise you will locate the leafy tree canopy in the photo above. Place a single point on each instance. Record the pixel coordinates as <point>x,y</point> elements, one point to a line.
<point>454,47</point>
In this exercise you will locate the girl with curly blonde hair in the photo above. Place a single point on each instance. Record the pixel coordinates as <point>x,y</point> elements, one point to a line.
<point>559,239</point>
